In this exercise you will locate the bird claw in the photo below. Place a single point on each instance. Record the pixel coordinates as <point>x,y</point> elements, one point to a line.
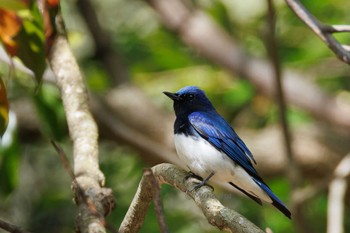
<point>192,175</point>
<point>200,184</point>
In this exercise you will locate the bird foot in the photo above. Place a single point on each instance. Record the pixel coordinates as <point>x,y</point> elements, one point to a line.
<point>192,175</point>
<point>200,184</point>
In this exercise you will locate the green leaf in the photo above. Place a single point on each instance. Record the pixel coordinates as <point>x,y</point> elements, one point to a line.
<point>31,41</point>
<point>51,112</point>
<point>9,167</point>
<point>14,5</point>
<point>239,94</point>
<point>4,108</point>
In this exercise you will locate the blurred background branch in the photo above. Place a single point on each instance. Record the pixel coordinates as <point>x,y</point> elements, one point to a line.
<point>104,51</point>
<point>11,228</point>
<point>131,51</point>
<point>293,173</point>
<point>194,25</point>
<point>336,199</point>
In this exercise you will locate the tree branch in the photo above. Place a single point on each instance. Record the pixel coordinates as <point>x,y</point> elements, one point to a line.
<point>11,228</point>
<point>83,131</point>
<point>324,32</point>
<point>115,128</point>
<point>271,44</point>
<point>336,28</point>
<point>104,51</point>
<point>194,25</point>
<point>216,214</point>
<point>293,171</point>
<point>336,196</point>
<point>158,207</point>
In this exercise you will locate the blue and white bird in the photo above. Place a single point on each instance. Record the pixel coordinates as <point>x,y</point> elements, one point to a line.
<point>211,149</point>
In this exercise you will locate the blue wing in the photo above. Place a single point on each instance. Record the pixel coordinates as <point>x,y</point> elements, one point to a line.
<point>214,128</point>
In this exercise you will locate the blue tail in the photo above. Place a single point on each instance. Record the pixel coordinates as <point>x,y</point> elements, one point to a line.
<point>276,202</point>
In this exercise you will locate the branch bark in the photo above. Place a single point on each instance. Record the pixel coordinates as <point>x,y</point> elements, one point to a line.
<point>11,228</point>
<point>336,196</point>
<point>216,214</point>
<point>324,32</point>
<point>83,131</point>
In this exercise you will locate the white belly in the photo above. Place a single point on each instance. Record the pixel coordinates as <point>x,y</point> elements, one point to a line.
<point>202,158</point>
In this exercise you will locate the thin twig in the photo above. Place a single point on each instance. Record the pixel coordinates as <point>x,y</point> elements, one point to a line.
<point>293,171</point>
<point>83,131</point>
<point>156,200</point>
<point>80,195</point>
<point>336,28</point>
<point>124,133</point>
<point>322,31</point>
<point>346,47</point>
<point>64,160</point>
<point>336,197</point>
<point>11,228</point>
<point>104,50</point>
<point>272,49</point>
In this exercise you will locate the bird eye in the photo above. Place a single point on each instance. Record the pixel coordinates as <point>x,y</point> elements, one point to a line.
<point>190,97</point>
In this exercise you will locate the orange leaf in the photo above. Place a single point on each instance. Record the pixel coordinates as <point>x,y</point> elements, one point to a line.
<point>53,3</point>
<point>10,25</point>
<point>51,10</point>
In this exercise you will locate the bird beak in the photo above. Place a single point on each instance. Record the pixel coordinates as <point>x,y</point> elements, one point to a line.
<point>172,96</point>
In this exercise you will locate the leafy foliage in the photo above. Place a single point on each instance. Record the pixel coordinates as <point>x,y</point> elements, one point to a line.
<point>22,33</point>
<point>9,162</point>
<point>51,113</point>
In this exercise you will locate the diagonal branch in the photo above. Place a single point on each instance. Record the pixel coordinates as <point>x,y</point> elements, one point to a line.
<point>158,207</point>
<point>216,214</point>
<point>11,228</point>
<point>324,32</point>
<point>83,131</point>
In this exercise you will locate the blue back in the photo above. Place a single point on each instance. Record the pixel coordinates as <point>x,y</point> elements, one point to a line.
<point>212,127</point>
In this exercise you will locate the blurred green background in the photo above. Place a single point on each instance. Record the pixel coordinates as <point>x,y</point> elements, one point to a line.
<point>35,189</point>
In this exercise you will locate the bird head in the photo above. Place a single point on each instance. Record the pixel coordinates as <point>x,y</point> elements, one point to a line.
<point>189,99</point>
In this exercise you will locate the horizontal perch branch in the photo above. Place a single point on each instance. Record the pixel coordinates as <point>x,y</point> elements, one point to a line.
<point>216,214</point>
